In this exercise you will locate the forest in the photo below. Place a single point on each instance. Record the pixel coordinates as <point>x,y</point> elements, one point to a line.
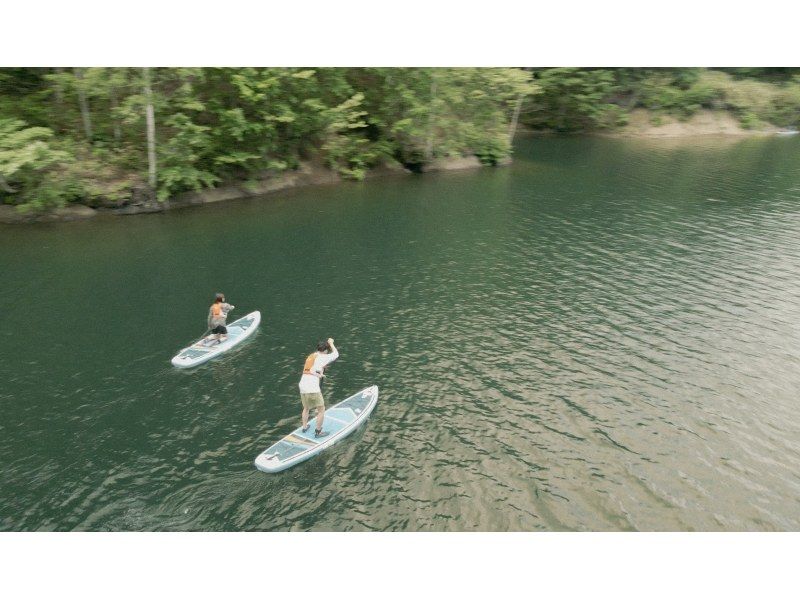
<point>98,136</point>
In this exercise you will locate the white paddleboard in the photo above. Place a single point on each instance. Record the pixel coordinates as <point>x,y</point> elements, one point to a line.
<point>206,349</point>
<point>340,420</point>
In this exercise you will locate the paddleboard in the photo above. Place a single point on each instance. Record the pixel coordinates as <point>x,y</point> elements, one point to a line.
<point>340,420</point>
<point>206,349</point>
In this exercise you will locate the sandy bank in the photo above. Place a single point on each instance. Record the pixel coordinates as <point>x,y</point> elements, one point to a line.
<point>644,124</point>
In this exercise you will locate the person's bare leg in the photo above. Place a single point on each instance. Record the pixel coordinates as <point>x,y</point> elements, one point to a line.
<point>305,417</point>
<point>320,416</point>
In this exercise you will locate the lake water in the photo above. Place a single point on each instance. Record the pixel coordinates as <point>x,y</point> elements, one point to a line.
<point>603,336</point>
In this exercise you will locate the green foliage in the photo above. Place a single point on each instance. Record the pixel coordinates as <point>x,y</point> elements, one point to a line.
<point>573,99</point>
<point>347,153</point>
<point>180,158</point>
<point>424,114</point>
<point>615,116</point>
<point>749,120</point>
<point>756,102</point>
<point>786,105</point>
<point>492,150</point>
<point>755,96</point>
<point>39,172</point>
<point>680,92</point>
<point>768,74</point>
<point>27,163</point>
<point>24,149</point>
<point>232,124</point>
<point>24,94</point>
<point>587,99</point>
<point>218,124</point>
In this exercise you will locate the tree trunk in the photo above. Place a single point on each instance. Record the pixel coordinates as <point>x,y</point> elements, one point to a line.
<point>512,129</point>
<point>84,104</point>
<point>59,89</point>
<point>114,104</point>
<point>429,140</point>
<point>151,130</point>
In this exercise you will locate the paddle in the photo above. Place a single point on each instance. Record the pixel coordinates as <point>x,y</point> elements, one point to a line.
<point>202,337</point>
<point>208,330</point>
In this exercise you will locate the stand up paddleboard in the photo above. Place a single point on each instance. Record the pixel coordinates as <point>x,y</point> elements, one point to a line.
<point>206,349</point>
<point>340,420</point>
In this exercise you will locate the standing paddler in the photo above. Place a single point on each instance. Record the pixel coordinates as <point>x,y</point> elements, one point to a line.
<point>310,392</point>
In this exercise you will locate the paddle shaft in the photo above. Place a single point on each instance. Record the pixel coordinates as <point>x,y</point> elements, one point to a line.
<point>202,336</point>
<point>208,330</point>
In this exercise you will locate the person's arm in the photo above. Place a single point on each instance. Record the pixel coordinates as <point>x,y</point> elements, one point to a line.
<point>228,307</point>
<point>333,355</point>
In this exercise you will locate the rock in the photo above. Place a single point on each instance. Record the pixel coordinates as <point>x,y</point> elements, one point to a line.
<point>307,174</point>
<point>386,169</point>
<point>142,194</point>
<point>314,173</point>
<point>71,212</point>
<point>270,184</point>
<point>207,196</point>
<point>455,163</point>
<point>10,214</point>
<point>143,201</point>
<point>146,208</point>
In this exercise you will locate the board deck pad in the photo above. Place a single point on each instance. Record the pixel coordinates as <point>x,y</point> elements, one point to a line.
<point>340,420</point>
<point>202,351</point>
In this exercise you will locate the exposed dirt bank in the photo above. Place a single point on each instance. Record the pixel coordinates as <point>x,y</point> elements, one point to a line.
<point>10,215</point>
<point>644,124</point>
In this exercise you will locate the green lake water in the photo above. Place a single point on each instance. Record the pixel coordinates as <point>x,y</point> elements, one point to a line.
<point>604,335</point>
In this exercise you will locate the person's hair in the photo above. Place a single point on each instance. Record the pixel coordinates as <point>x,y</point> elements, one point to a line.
<point>219,297</point>
<point>323,346</point>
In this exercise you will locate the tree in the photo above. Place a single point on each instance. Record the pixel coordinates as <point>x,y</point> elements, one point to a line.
<point>151,129</point>
<point>574,99</point>
<point>218,124</point>
<point>424,114</point>
<point>83,103</point>
<point>28,163</point>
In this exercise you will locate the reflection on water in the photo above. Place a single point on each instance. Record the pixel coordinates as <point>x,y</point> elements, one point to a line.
<point>602,336</point>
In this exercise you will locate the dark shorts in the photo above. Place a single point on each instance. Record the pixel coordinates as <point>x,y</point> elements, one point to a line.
<point>219,330</point>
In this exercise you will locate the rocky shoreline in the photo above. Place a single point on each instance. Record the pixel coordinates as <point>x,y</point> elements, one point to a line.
<point>307,175</point>
<point>642,124</point>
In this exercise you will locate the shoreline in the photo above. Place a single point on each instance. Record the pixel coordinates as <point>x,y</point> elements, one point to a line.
<point>641,126</point>
<point>308,174</point>
<point>704,123</point>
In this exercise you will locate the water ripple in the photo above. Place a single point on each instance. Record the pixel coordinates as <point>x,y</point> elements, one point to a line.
<point>601,337</point>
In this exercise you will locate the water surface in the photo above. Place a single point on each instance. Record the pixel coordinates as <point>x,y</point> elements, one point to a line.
<point>602,336</point>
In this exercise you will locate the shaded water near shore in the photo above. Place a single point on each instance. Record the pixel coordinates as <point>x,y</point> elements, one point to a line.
<point>602,336</point>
